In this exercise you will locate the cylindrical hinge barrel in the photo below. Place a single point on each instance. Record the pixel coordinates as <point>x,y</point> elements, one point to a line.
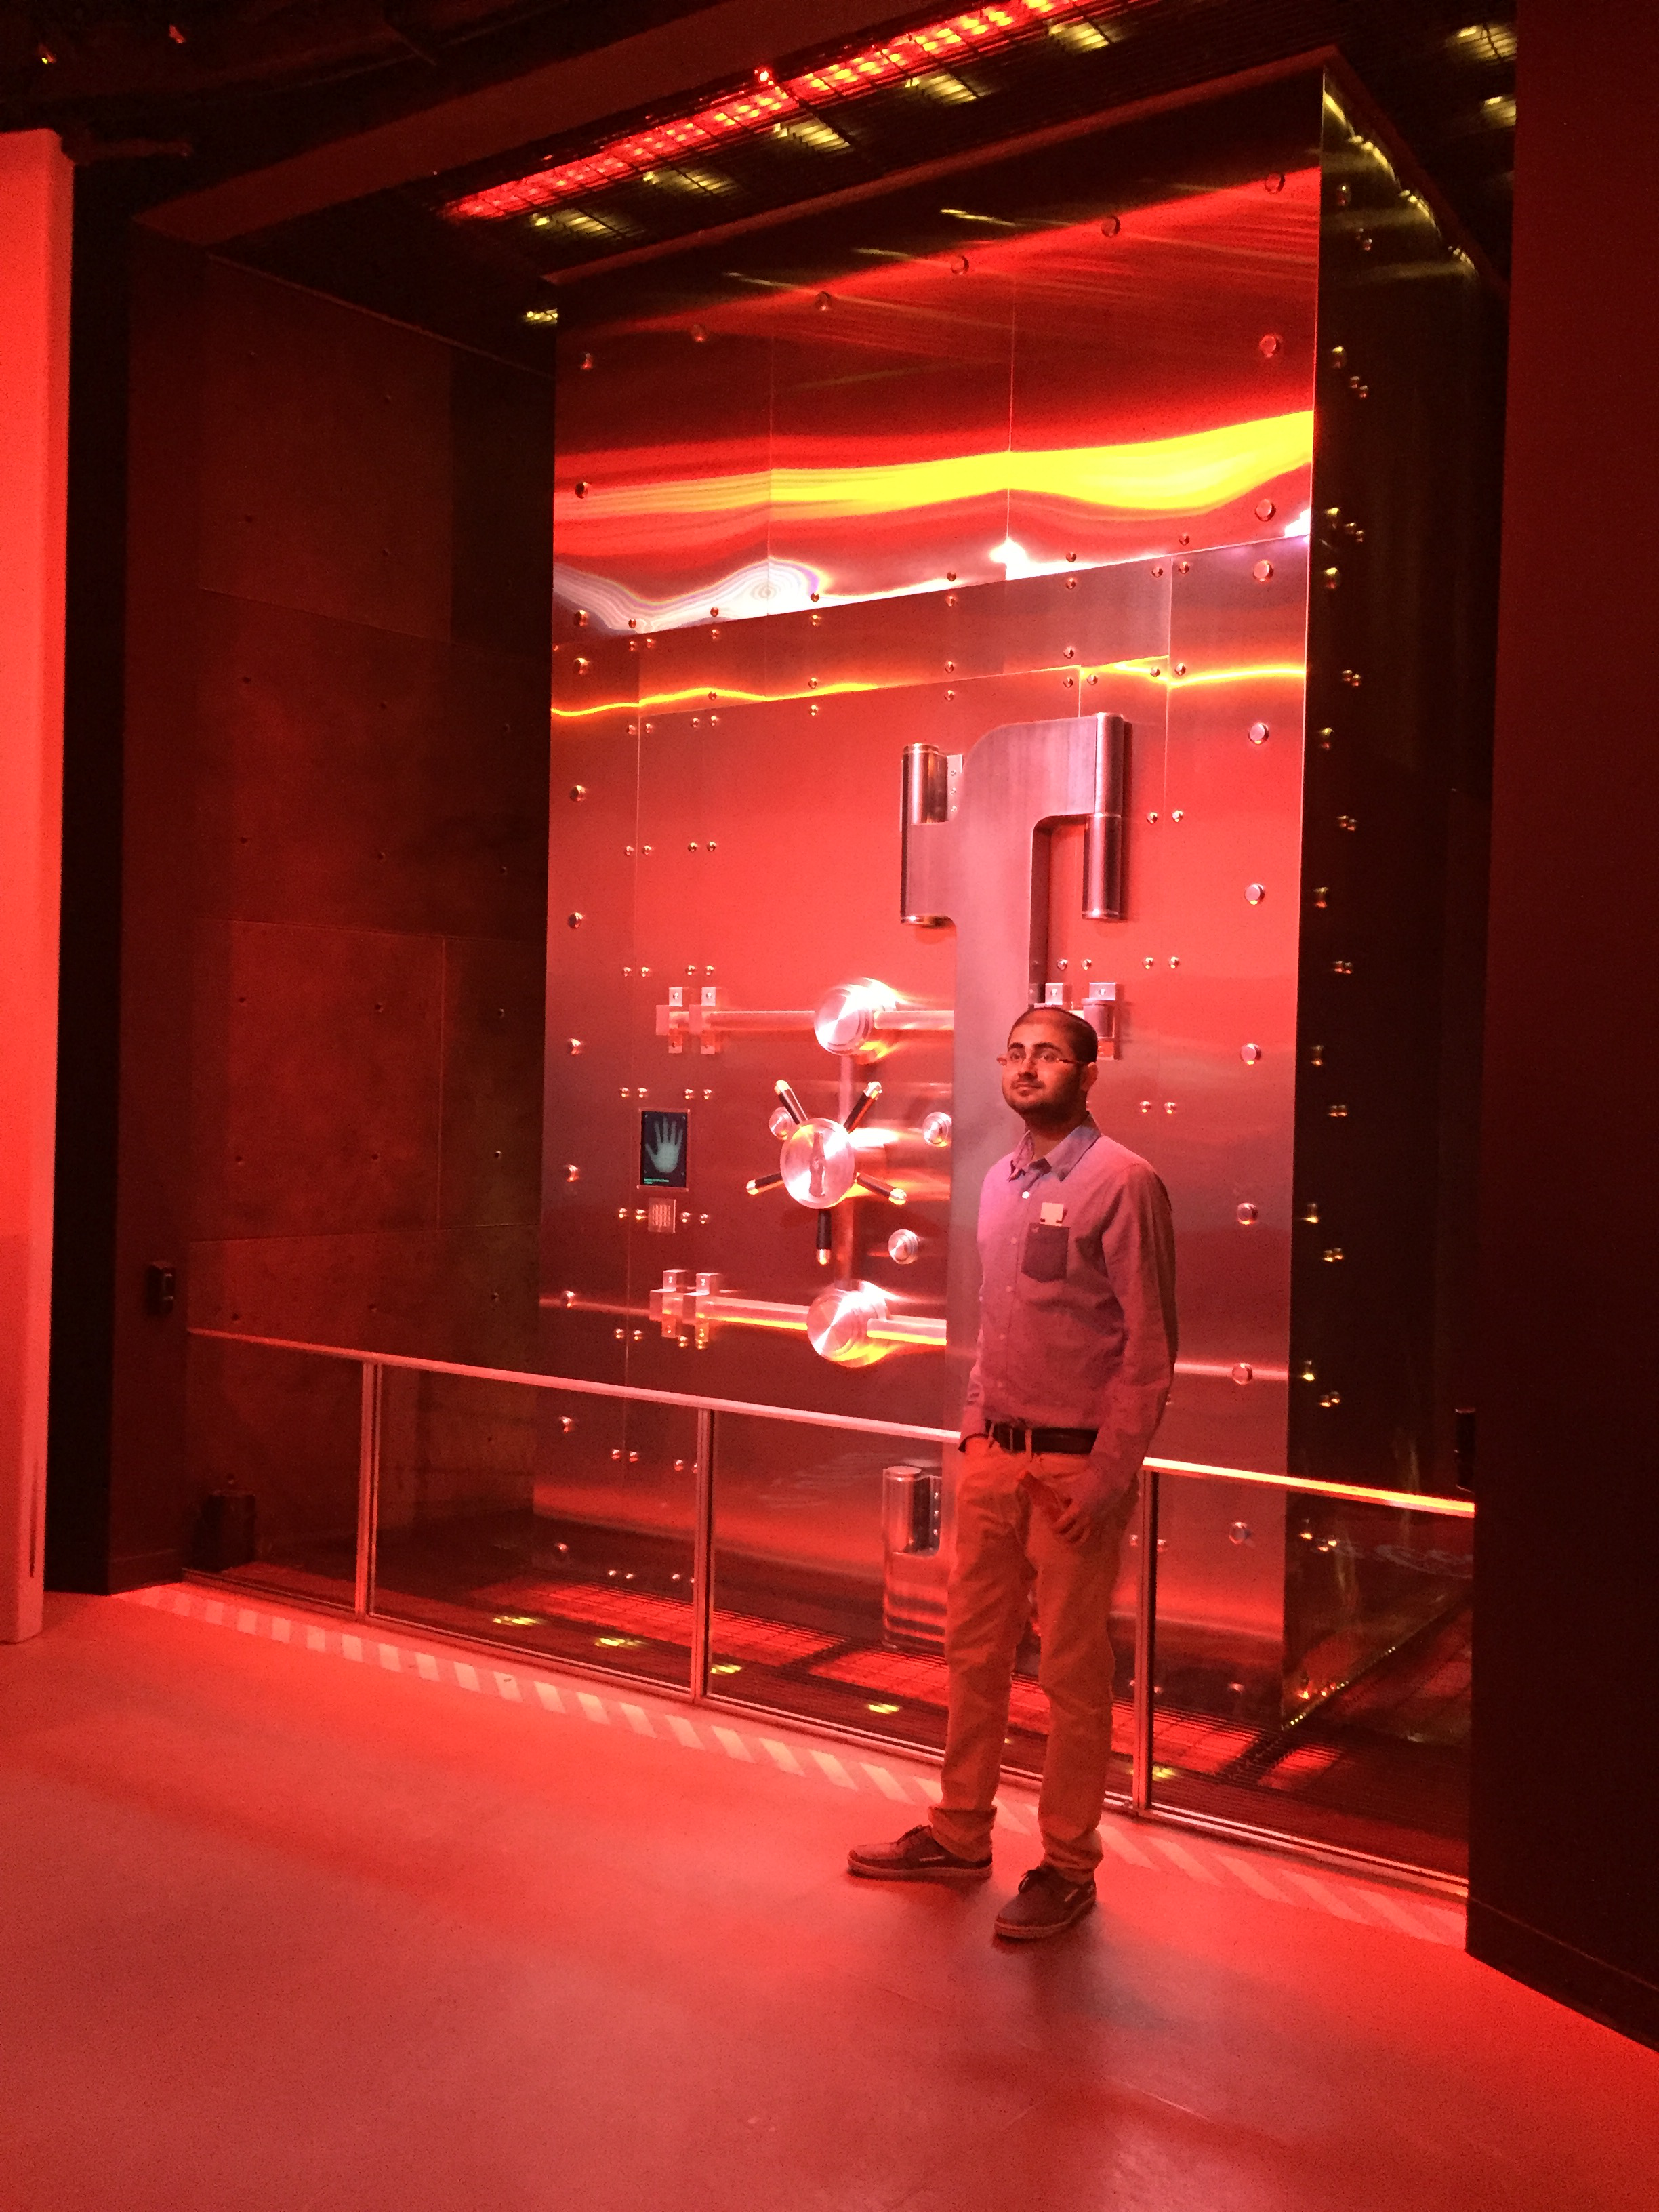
<point>925,796</point>
<point>1102,832</point>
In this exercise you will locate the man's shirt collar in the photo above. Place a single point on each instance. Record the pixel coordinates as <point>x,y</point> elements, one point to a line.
<point>1059,1162</point>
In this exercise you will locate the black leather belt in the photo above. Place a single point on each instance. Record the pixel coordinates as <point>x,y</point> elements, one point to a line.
<point>1015,1436</point>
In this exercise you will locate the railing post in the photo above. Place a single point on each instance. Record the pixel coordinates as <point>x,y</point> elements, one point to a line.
<point>368,1484</point>
<point>703,1555</point>
<point>1140,1782</point>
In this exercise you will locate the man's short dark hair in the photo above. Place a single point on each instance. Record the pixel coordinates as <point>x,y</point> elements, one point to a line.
<point>1080,1039</point>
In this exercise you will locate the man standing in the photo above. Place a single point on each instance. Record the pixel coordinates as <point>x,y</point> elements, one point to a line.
<point>1077,1341</point>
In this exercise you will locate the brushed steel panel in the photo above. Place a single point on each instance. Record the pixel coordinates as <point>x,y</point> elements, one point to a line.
<point>1149,343</point>
<point>660,475</point>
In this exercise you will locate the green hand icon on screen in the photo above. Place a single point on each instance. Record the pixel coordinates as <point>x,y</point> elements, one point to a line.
<point>665,1140</point>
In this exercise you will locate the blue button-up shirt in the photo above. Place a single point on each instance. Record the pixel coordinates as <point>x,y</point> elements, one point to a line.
<point>1077,1327</point>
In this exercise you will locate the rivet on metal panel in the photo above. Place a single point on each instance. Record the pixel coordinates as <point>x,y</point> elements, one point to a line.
<point>949,695</point>
<point>1337,1113</point>
<point>958,264</point>
<point>622,1215</point>
<point>1185,538</point>
<point>1254,893</point>
<point>1332,1254</point>
<point>1339,357</point>
<point>1246,1215</point>
<point>1249,1054</point>
<point>1270,345</point>
<point>1341,196</point>
<point>702,1221</point>
<point>1151,817</point>
<point>824,302</point>
<point>572,1173</point>
<point>639,1213</point>
<point>1262,571</point>
<point>634,1457</point>
<point>1068,684</point>
<point>1071,557</point>
<point>1364,242</point>
<point>1183,568</point>
<point>1341,966</point>
<point>707,1094</point>
<point>621,1334</point>
<point>1148,962</point>
<point>950,601</point>
<point>1310,1210</point>
<point>1177,814</point>
<point>639,1335</point>
<point>644,971</point>
<point>1158,570</point>
<point>1331,1398</point>
<point>1265,510</point>
<point>1240,1532</point>
<point>568,1421</point>
<point>1110,226</point>
<point>1070,654</point>
<point>1331,577</point>
<point>581,488</point>
<point>698,334</point>
<point>1359,388</point>
<point>1321,895</point>
<point>1169,1105</point>
<point>1273,183</point>
<point>949,575</point>
<point>578,791</point>
<point>573,921</point>
<point>692,847</point>
<point>1353,678</point>
<point>1322,739</point>
<point>586,360</point>
<point>616,1449</point>
<point>709,845</point>
<point>1146,1105</point>
<point>1316,1055</point>
<point>1257,733</point>
<point>1243,1372</point>
<point>1174,960</point>
<point>573,1047</point>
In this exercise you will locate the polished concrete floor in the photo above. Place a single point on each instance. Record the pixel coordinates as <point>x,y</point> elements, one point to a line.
<point>325,1923</point>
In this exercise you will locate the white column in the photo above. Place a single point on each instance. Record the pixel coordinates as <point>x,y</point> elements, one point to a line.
<point>36,186</point>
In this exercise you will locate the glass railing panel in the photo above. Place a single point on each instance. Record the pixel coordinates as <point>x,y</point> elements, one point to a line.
<point>555,1521</point>
<point>280,1429</point>
<point>831,1551</point>
<point>1312,1667</point>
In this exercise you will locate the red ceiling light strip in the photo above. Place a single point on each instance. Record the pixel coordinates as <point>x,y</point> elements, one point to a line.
<point>768,103</point>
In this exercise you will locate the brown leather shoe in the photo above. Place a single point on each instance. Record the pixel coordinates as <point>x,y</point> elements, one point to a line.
<point>918,1855</point>
<point>1048,1902</point>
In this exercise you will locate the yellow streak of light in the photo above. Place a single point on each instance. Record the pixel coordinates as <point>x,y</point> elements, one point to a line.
<point>663,702</point>
<point>1199,470</point>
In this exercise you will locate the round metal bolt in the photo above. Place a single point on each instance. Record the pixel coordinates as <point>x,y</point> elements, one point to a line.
<point>1174,960</point>
<point>1240,1533</point>
<point>1151,817</point>
<point>936,1131</point>
<point>573,921</point>
<point>1265,510</point>
<point>573,1047</point>
<point>581,488</point>
<point>1246,1214</point>
<point>1257,733</point>
<point>1169,1105</point>
<point>1254,893</point>
<point>1270,346</point>
<point>1148,962</point>
<point>902,1246</point>
<point>1249,1054</point>
<point>1273,183</point>
<point>1177,814</point>
<point>579,790</point>
<point>1332,1254</point>
<point>1110,226</point>
<point>1243,1372</point>
<point>1331,579</point>
<point>1262,572</point>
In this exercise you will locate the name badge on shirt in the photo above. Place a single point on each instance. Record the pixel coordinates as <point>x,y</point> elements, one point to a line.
<point>1052,1212</point>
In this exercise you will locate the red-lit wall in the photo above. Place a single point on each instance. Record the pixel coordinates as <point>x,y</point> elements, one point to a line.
<point>333,772</point>
<point>36,184</point>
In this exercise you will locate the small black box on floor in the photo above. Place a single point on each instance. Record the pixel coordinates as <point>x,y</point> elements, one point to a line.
<point>226,1531</point>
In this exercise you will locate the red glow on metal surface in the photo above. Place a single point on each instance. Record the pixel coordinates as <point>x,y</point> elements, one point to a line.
<point>909,57</point>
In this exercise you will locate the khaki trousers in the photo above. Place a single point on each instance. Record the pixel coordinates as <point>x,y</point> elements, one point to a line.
<point>1005,1548</point>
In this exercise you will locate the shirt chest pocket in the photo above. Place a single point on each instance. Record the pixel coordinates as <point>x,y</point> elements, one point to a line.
<point>1046,1250</point>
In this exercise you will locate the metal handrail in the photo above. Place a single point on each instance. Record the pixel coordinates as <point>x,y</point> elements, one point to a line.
<point>1410,1501</point>
<point>374,1364</point>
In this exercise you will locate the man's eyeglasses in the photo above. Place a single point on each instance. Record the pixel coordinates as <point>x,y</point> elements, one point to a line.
<point>1040,1055</point>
